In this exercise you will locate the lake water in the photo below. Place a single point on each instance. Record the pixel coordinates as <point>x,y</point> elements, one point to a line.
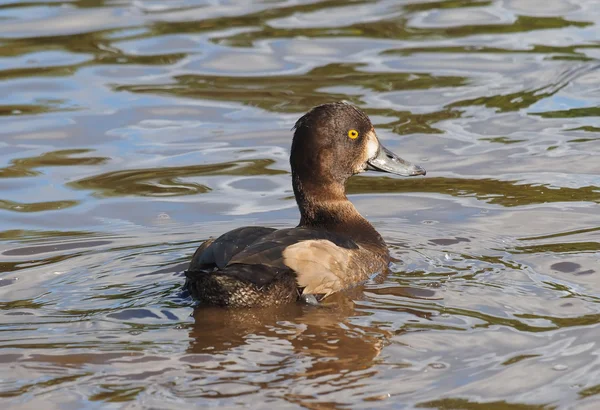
<point>131,131</point>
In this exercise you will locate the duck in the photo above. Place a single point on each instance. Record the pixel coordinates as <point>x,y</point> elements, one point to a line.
<point>332,248</point>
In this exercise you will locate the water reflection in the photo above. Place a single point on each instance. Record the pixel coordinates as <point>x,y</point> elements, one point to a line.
<point>317,345</point>
<point>314,331</point>
<point>164,182</point>
<point>295,93</point>
<point>37,206</point>
<point>26,167</point>
<point>505,193</point>
<point>130,132</point>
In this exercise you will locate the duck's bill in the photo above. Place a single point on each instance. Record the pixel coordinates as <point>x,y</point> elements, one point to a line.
<point>387,161</point>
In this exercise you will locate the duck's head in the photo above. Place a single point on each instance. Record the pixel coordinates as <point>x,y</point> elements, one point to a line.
<point>335,141</point>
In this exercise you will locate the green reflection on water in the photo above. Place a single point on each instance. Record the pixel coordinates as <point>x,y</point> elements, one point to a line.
<point>562,322</point>
<point>409,123</point>
<point>72,3</point>
<point>571,113</point>
<point>444,4</point>
<point>58,71</point>
<point>489,320</point>
<point>464,404</point>
<point>164,181</point>
<point>510,102</point>
<point>519,358</point>
<point>20,304</point>
<point>36,206</point>
<point>570,52</point>
<point>557,235</point>
<point>29,263</point>
<point>590,391</point>
<point>116,393</point>
<point>501,140</point>
<point>398,28</point>
<point>98,43</point>
<point>55,381</point>
<point>159,59</point>
<point>24,234</point>
<point>505,193</point>
<point>587,128</point>
<point>520,25</point>
<point>24,167</point>
<point>569,247</point>
<point>295,93</point>
<point>30,109</point>
<point>256,19</point>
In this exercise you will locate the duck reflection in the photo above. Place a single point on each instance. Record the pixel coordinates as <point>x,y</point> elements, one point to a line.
<point>326,333</point>
<point>311,356</point>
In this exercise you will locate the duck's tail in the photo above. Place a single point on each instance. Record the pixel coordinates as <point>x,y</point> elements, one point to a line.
<point>241,285</point>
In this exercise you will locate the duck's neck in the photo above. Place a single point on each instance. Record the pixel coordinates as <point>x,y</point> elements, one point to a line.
<point>324,205</point>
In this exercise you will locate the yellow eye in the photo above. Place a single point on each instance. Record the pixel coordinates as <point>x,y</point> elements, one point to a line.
<point>353,134</point>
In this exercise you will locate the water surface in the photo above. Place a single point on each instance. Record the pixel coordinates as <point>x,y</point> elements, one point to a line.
<point>131,131</point>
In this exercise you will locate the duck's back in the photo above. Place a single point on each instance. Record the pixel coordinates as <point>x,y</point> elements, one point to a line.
<point>216,253</point>
<point>256,266</point>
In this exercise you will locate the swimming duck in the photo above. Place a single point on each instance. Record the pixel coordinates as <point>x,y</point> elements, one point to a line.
<point>332,248</point>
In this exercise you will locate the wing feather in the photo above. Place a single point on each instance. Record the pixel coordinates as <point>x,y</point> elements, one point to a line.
<point>217,253</point>
<point>318,258</point>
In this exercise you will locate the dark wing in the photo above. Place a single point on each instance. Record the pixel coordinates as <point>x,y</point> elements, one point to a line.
<point>269,249</point>
<point>319,258</point>
<point>216,253</point>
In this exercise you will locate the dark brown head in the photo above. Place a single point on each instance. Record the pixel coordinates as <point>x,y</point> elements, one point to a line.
<point>335,141</point>
<point>331,143</point>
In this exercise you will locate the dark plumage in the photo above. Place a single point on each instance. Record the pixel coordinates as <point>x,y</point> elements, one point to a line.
<point>331,249</point>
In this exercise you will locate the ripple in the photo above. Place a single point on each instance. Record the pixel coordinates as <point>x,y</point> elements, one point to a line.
<point>505,193</point>
<point>134,131</point>
<point>24,167</point>
<point>164,181</point>
<point>296,93</point>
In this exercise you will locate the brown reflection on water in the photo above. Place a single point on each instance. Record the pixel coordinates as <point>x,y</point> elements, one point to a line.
<point>314,330</point>
<point>36,250</point>
<point>409,123</point>
<point>571,113</point>
<point>579,247</point>
<point>164,182</point>
<point>525,99</point>
<point>6,267</point>
<point>297,93</point>
<point>463,404</point>
<point>399,29</point>
<point>26,167</point>
<point>505,193</point>
<point>556,52</point>
<point>36,206</point>
<point>30,109</point>
<point>338,353</point>
<point>21,234</point>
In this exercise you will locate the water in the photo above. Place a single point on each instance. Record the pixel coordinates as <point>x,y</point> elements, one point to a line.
<point>130,131</point>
